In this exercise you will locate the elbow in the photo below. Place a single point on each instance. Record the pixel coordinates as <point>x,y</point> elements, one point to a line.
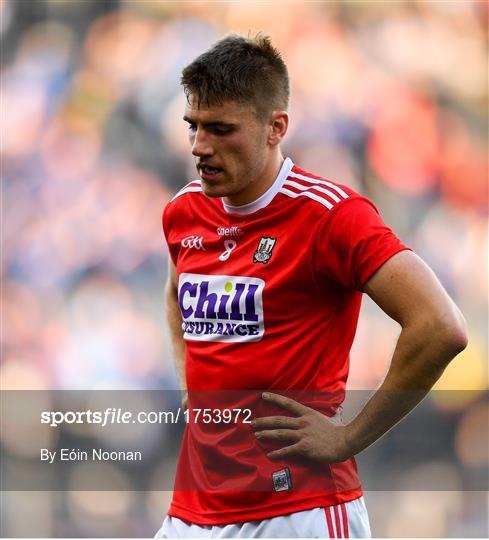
<point>452,334</point>
<point>457,339</point>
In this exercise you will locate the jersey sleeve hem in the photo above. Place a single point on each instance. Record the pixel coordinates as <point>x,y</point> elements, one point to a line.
<point>379,263</point>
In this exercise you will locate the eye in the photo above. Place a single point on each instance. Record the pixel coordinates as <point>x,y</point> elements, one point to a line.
<point>221,130</point>
<point>192,127</point>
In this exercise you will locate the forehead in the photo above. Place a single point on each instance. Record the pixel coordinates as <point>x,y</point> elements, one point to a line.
<point>229,111</point>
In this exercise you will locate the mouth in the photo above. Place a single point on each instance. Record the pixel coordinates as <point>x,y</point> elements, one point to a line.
<point>207,172</point>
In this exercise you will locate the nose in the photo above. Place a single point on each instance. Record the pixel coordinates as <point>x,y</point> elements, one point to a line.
<point>201,146</point>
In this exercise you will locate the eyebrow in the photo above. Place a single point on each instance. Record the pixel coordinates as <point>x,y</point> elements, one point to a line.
<point>210,124</point>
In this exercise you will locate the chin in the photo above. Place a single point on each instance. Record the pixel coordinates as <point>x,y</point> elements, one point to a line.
<point>213,191</point>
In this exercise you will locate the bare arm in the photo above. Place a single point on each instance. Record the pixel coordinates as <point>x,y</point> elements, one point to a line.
<point>175,324</point>
<point>433,333</point>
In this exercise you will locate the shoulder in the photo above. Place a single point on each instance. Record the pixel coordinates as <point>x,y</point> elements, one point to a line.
<point>321,196</point>
<point>192,187</point>
<point>180,209</point>
<point>181,201</point>
<point>306,186</point>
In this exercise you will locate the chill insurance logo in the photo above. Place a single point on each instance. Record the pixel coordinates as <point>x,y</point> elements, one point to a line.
<point>221,308</point>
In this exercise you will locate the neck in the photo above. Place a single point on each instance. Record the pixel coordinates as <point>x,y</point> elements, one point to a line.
<point>260,185</point>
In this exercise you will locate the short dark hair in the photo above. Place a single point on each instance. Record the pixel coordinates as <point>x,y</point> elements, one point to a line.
<point>247,70</point>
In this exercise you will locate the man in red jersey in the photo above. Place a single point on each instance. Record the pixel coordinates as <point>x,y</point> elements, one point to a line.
<point>267,267</point>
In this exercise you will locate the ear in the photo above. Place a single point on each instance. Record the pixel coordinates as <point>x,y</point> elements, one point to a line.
<point>279,122</point>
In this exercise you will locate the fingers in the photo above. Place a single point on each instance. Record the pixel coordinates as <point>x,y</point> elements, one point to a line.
<point>292,450</point>
<point>275,422</point>
<point>287,403</point>
<point>283,428</point>
<point>278,435</point>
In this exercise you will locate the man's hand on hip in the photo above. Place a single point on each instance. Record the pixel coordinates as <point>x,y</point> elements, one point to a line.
<point>308,434</point>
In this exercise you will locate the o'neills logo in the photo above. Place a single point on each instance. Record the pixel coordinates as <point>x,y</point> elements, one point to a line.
<point>229,231</point>
<point>221,308</point>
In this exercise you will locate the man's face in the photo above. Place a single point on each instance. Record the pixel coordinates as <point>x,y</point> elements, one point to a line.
<point>230,147</point>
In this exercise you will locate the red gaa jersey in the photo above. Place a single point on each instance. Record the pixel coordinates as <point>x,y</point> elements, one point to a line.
<point>270,294</point>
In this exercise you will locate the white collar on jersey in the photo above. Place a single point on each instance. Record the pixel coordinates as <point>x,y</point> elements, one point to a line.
<point>267,197</point>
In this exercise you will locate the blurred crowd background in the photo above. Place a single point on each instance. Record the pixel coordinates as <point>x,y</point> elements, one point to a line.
<point>387,97</point>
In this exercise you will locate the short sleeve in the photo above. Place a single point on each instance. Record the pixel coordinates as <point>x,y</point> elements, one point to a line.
<point>173,247</point>
<point>352,243</point>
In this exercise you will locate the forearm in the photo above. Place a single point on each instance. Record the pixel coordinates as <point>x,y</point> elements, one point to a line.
<point>419,359</point>
<point>421,355</point>
<point>433,332</point>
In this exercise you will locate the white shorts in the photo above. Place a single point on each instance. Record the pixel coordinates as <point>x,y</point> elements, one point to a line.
<point>348,520</point>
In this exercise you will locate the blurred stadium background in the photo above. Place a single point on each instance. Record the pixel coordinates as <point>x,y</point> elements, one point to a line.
<point>388,97</point>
